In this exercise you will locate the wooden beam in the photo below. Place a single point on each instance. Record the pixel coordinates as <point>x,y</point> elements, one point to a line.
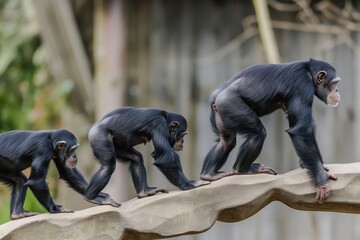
<point>230,199</point>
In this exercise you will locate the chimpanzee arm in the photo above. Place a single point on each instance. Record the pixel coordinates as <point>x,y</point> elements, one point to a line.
<point>38,186</point>
<point>302,133</point>
<point>73,177</point>
<point>168,162</point>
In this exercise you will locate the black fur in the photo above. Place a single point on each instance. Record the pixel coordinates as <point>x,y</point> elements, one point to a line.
<point>238,103</point>
<point>114,136</point>
<point>22,149</point>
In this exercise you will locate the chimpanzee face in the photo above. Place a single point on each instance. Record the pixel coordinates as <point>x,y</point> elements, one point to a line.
<point>333,95</point>
<point>66,155</point>
<point>177,133</point>
<point>178,146</point>
<point>326,88</point>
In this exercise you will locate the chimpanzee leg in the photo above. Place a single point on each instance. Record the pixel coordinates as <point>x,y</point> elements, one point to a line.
<point>103,149</point>
<point>222,119</point>
<point>138,172</point>
<point>232,115</point>
<point>18,195</point>
<point>251,148</point>
<point>217,157</point>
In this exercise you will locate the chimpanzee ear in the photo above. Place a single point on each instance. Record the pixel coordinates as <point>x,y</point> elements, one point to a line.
<point>60,145</point>
<point>320,77</point>
<point>173,126</point>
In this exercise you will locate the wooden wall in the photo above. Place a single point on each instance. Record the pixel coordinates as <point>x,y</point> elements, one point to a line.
<point>178,51</point>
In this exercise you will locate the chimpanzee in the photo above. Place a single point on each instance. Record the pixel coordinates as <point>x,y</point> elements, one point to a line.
<point>22,149</point>
<point>115,135</point>
<point>258,90</point>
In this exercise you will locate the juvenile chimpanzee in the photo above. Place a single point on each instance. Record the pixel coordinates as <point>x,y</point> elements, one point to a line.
<point>114,136</point>
<point>259,90</point>
<point>22,149</point>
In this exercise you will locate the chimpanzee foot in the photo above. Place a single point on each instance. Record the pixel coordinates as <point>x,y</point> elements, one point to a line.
<point>256,168</point>
<point>151,191</point>
<point>103,199</point>
<point>215,176</point>
<point>24,214</point>
<point>61,209</point>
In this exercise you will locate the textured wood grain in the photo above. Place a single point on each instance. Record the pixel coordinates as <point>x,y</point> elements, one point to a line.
<point>230,199</point>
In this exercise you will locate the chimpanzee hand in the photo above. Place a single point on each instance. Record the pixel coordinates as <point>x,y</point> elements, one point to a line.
<point>216,176</point>
<point>103,199</point>
<point>323,191</point>
<point>107,200</point>
<point>193,184</point>
<point>256,168</point>
<point>65,210</point>
<point>60,209</point>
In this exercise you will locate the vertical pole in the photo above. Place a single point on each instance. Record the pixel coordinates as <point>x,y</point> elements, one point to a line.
<point>110,85</point>
<point>266,31</point>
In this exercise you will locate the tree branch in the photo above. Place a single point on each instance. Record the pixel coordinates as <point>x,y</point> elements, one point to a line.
<point>266,31</point>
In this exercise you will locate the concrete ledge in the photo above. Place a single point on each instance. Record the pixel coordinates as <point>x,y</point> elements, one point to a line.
<point>230,199</point>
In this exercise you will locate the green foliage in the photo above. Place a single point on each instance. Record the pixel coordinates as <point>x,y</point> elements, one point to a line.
<point>18,44</point>
<point>4,210</point>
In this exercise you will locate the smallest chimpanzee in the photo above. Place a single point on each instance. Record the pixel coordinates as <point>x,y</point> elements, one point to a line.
<point>114,137</point>
<point>22,149</point>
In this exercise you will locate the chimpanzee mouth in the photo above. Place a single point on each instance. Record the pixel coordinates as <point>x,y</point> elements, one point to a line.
<point>178,148</point>
<point>333,103</point>
<point>70,164</point>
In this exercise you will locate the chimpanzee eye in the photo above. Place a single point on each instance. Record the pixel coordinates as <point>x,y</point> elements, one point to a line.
<point>332,87</point>
<point>70,154</point>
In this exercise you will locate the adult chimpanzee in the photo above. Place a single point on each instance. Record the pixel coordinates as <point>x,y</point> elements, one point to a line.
<point>259,90</point>
<point>22,149</point>
<point>115,135</point>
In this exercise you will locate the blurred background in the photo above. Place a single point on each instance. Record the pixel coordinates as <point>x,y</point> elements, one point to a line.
<point>64,64</point>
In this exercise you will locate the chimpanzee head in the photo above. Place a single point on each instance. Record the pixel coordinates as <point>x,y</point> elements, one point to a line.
<point>325,80</point>
<point>65,145</point>
<point>177,130</point>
